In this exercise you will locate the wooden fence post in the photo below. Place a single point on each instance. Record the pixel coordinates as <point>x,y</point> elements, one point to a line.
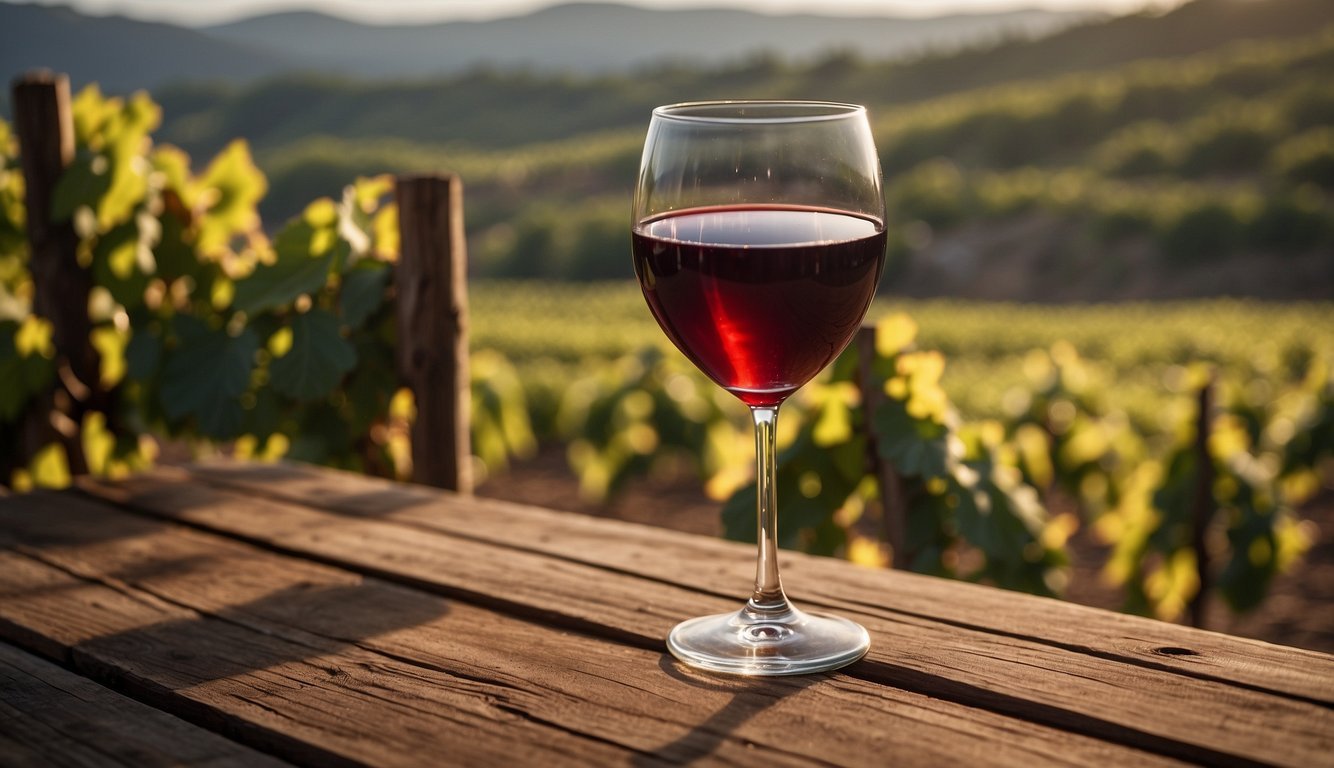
<point>893,500</point>
<point>1202,505</point>
<point>432,318</point>
<point>45,131</point>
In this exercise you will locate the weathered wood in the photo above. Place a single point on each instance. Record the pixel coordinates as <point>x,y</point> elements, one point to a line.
<point>720,566</point>
<point>1076,688</point>
<point>432,319</point>
<point>45,129</point>
<point>893,501</point>
<point>52,717</point>
<point>322,665</point>
<point>1202,504</point>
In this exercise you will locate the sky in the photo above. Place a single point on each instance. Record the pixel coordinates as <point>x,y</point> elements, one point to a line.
<point>199,12</point>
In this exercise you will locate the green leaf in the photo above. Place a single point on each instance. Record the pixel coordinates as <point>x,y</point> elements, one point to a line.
<point>918,447</point>
<point>739,523</point>
<point>264,417</point>
<point>23,376</point>
<point>362,293</point>
<point>305,250</point>
<point>143,355</point>
<point>317,360</point>
<point>122,264</point>
<point>236,187</point>
<point>279,284</point>
<point>321,436</point>
<point>206,374</point>
<point>372,385</point>
<point>80,185</point>
<point>174,253</point>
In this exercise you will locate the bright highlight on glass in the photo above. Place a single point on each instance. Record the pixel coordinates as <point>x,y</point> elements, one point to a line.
<point>759,239</point>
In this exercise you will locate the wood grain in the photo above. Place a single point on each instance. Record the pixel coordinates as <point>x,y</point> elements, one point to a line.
<point>431,291</point>
<point>726,568</point>
<point>52,717</point>
<point>1023,676</point>
<point>44,125</point>
<point>318,664</point>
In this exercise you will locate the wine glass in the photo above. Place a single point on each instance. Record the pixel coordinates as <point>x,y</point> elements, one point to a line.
<point>758,240</point>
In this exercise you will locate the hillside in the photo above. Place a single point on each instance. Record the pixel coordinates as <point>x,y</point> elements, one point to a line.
<point>1159,175</point>
<point>601,38</point>
<point>494,109</point>
<point>124,54</point>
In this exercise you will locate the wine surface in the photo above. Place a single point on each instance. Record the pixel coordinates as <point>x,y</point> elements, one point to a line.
<point>760,298</point>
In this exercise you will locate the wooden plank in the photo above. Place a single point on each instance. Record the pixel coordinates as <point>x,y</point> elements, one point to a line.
<point>322,665</point>
<point>727,568</point>
<point>52,717</point>
<point>293,694</point>
<point>1047,682</point>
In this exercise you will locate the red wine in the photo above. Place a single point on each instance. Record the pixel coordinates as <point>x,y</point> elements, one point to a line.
<point>760,298</point>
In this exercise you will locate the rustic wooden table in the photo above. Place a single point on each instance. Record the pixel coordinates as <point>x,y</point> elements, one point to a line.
<point>237,614</point>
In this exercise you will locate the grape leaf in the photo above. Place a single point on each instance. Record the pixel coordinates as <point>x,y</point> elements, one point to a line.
<point>305,250</point>
<point>236,186</point>
<point>917,447</point>
<point>362,293</point>
<point>79,185</point>
<point>317,360</point>
<point>265,416</point>
<point>205,374</point>
<point>116,264</point>
<point>24,375</point>
<point>143,355</point>
<point>321,436</point>
<point>281,283</point>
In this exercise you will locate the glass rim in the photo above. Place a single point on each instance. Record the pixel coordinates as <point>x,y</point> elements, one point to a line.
<point>767,111</point>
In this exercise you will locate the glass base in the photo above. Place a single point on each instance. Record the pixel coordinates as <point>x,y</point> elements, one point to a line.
<point>749,642</point>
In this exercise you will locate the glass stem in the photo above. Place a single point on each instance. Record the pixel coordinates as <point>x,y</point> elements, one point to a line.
<point>768,598</point>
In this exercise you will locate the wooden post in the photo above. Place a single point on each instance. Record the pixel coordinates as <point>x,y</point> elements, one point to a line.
<point>893,500</point>
<point>1202,505</point>
<point>432,308</point>
<point>45,131</point>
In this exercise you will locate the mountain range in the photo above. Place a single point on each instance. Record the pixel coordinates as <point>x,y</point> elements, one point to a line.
<point>123,54</point>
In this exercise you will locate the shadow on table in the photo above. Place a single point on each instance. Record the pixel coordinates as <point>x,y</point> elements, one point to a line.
<point>750,696</point>
<point>298,624</point>
<point>156,595</point>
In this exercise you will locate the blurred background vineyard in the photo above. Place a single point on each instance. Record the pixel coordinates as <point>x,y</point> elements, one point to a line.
<point>1089,228</point>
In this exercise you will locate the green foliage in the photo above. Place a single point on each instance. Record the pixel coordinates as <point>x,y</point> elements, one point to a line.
<point>501,428</point>
<point>1102,426</point>
<point>637,412</point>
<point>25,364</point>
<point>580,241</point>
<point>315,362</point>
<point>208,331</point>
<point>303,255</point>
<point>205,375</point>
<point>1254,526</point>
<point>1307,158</point>
<point>970,513</point>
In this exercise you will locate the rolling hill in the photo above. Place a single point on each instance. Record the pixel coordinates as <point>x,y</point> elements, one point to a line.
<point>602,38</point>
<point>123,54</point>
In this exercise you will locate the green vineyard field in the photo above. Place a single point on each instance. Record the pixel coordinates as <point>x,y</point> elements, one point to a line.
<point>552,330</point>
